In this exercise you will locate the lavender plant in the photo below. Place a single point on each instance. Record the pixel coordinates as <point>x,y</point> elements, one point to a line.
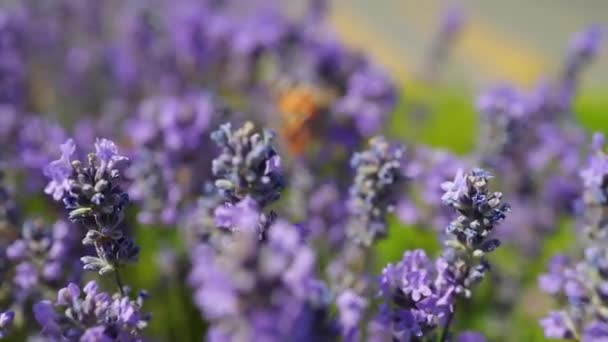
<point>247,166</point>
<point>94,197</point>
<point>469,235</point>
<point>451,25</point>
<point>372,197</point>
<point>248,175</point>
<point>263,271</point>
<point>374,190</point>
<point>418,298</point>
<point>419,295</point>
<point>582,284</point>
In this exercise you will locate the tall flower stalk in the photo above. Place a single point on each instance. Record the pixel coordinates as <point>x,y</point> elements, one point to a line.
<point>262,272</point>
<point>419,294</point>
<point>93,194</point>
<point>372,197</point>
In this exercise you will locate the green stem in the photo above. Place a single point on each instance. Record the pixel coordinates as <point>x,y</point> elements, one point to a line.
<point>119,282</point>
<point>446,327</point>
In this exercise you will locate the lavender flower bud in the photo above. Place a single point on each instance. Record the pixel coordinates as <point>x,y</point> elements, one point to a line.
<point>374,190</point>
<point>479,210</point>
<point>468,235</point>
<point>247,166</point>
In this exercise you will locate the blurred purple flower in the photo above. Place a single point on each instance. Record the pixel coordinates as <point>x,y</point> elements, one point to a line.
<point>59,171</point>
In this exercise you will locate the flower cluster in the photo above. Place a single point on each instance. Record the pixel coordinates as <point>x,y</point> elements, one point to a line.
<point>469,235</point>
<point>249,177</point>
<point>418,297</point>
<point>247,166</point>
<point>89,314</point>
<point>94,196</point>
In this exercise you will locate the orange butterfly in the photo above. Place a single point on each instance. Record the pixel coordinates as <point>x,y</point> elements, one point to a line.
<point>299,106</point>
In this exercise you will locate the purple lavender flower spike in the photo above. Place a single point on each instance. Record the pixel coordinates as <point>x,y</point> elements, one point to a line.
<point>373,193</point>
<point>13,70</point>
<point>247,166</point>
<point>94,196</point>
<point>479,211</point>
<point>248,175</point>
<point>419,295</point>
